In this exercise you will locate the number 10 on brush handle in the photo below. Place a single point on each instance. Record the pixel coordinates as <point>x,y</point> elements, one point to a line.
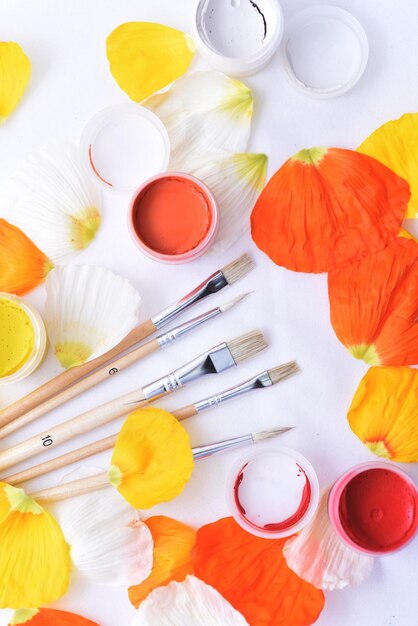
<point>71,428</point>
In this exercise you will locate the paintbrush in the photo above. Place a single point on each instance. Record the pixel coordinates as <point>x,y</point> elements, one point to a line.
<point>118,365</point>
<point>214,361</point>
<point>100,481</point>
<point>228,275</point>
<point>263,380</point>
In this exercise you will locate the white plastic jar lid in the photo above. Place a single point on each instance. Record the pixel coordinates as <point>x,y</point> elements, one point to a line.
<point>324,51</point>
<point>124,145</point>
<point>238,37</point>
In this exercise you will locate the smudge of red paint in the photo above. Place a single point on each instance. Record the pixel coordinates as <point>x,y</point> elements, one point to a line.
<point>302,508</point>
<point>378,510</point>
<point>95,169</point>
<point>290,521</point>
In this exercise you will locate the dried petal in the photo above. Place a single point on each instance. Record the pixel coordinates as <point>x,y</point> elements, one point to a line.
<point>374,305</point>
<point>144,57</point>
<point>326,207</point>
<point>384,413</point>
<point>395,144</point>
<point>173,550</point>
<point>251,573</point>
<point>152,460</point>
<point>14,77</point>
<point>22,265</point>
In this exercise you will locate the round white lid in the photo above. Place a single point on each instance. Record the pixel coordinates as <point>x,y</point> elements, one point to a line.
<point>324,51</point>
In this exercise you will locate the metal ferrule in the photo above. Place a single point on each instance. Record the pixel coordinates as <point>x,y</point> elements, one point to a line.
<point>259,381</point>
<point>211,285</point>
<point>179,331</point>
<point>214,361</point>
<point>200,452</point>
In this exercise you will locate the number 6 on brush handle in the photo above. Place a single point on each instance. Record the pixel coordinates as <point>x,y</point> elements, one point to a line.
<point>46,391</point>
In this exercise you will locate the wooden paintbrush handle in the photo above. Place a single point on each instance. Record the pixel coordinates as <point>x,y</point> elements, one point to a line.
<point>83,385</point>
<point>71,376</point>
<point>82,453</point>
<point>62,461</point>
<point>73,488</point>
<point>72,428</point>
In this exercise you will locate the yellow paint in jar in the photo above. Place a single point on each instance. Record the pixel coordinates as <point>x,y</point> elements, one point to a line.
<point>17,337</point>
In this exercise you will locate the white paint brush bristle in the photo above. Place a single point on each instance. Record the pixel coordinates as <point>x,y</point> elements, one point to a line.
<point>237,269</point>
<point>247,346</point>
<point>228,305</point>
<point>267,434</point>
<point>283,371</point>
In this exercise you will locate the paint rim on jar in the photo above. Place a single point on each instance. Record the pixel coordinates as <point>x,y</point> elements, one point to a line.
<point>203,245</point>
<point>40,341</point>
<point>304,518</point>
<point>337,491</point>
<point>265,16</point>
<point>113,151</point>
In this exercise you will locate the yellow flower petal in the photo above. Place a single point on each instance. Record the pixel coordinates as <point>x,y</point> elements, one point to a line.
<point>384,413</point>
<point>34,556</point>
<point>173,555</point>
<point>395,144</point>
<point>152,460</point>
<point>14,77</point>
<point>145,57</point>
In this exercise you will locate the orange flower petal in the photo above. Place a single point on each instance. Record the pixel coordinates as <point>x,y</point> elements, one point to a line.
<point>374,305</point>
<point>22,265</point>
<point>384,413</point>
<point>173,549</point>
<point>326,207</point>
<point>49,617</point>
<point>252,574</point>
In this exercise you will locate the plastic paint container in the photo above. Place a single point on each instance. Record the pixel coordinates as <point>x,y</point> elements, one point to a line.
<point>23,339</point>
<point>238,37</point>
<point>374,508</point>
<point>173,218</point>
<point>324,51</point>
<point>273,493</point>
<point>124,145</point>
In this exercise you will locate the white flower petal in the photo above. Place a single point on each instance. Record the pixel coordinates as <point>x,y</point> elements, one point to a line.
<point>189,603</point>
<point>88,311</point>
<point>204,112</point>
<point>109,543</point>
<point>54,202</point>
<point>236,180</point>
<point>317,555</point>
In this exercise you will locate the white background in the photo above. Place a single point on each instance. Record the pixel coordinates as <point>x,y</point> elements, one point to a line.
<point>70,82</point>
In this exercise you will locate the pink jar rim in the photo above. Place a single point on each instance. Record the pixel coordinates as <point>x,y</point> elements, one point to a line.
<point>334,498</point>
<point>190,255</point>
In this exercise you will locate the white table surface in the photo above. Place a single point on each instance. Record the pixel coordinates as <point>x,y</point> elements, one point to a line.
<point>70,82</point>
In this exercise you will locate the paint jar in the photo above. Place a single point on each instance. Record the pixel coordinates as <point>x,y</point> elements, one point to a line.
<point>124,145</point>
<point>238,37</point>
<point>374,508</point>
<point>173,218</point>
<point>324,51</point>
<point>23,339</point>
<point>273,493</point>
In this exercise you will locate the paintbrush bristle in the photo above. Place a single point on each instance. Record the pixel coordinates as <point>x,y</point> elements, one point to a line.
<point>237,269</point>
<point>266,434</point>
<point>228,305</point>
<point>246,346</point>
<point>282,372</point>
